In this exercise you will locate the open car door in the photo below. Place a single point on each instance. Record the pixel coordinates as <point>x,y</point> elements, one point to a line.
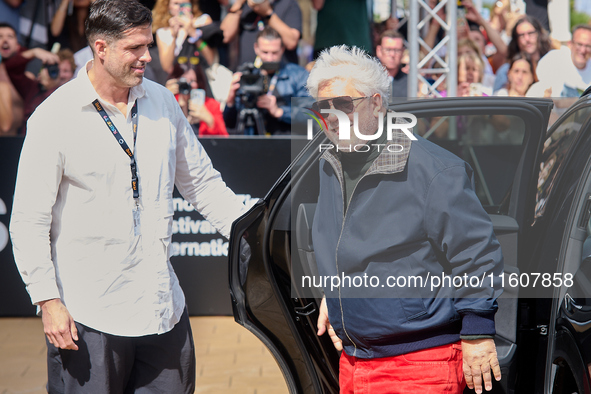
<point>271,248</point>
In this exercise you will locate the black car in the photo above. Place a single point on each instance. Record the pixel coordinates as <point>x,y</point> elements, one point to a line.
<point>532,179</point>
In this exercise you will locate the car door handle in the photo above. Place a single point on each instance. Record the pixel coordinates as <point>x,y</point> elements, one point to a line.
<point>570,303</point>
<point>305,310</point>
<point>575,308</point>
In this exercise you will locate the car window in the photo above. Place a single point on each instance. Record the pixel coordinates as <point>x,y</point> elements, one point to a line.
<point>491,144</point>
<point>556,146</point>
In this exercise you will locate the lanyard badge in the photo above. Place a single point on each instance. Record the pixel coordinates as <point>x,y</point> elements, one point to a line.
<point>135,184</point>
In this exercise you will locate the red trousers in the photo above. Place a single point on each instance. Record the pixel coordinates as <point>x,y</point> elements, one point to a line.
<point>430,371</point>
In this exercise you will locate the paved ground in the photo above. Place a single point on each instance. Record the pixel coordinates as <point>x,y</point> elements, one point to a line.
<point>229,358</point>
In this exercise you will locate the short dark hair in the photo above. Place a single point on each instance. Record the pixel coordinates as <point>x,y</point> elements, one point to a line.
<point>580,27</point>
<point>390,34</point>
<point>4,24</point>
<point>112,18</point>
<point>473,26</point>
<point>268,33</point>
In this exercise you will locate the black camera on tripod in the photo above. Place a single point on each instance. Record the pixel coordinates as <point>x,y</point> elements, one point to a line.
<point>253,84</point>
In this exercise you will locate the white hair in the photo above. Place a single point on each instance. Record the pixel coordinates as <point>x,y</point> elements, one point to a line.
<point>366,73</point>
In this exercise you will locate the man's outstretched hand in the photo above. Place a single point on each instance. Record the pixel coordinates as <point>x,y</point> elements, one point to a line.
<point>480,363</point>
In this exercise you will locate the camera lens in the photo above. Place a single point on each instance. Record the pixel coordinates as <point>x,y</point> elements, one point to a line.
<point>184,86</point>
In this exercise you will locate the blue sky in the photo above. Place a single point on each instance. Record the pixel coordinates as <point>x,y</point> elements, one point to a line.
<point>583,6</point>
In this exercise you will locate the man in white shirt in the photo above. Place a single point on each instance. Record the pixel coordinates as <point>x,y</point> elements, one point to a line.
<point>92,217</point>
<point>565,72</point>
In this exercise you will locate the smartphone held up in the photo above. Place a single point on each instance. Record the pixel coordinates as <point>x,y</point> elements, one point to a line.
<point>197,97</point>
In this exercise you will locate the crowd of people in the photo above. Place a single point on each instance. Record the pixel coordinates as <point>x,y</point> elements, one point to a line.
<point>235,65</point>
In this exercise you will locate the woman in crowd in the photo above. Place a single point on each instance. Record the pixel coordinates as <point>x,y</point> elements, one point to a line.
<point>470,75</point>
<point>521,75</point>
<point>177,21</point>
<point>206,118</point>
<point>467,45</point>
<point>528,36</point>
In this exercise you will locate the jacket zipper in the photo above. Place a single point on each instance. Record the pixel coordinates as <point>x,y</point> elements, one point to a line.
<point>337,249</point>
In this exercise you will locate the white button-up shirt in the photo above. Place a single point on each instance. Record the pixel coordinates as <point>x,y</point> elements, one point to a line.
<point>72,218</point>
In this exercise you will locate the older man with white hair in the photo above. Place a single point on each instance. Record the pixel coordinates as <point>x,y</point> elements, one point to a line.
<point>392,212</point>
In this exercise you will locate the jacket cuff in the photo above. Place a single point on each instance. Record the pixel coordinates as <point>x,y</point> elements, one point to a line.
<point>475,337</point>
<point>478,324</point>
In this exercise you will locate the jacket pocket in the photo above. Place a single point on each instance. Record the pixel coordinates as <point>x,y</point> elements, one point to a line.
<point>413,308</point>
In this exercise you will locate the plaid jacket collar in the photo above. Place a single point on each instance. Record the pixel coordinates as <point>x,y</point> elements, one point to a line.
<point>390,161</point>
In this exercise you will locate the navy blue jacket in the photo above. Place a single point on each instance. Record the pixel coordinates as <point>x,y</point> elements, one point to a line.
<point>414,213</point>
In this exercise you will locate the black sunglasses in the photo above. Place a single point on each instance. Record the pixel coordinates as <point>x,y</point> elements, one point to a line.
<point>343,104</point>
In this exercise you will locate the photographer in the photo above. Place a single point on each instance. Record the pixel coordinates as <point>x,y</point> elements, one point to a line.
<point>49,79</point>
<point>265,86</point>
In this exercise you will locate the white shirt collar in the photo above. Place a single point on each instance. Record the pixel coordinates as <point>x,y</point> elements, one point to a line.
<point>88,94</point>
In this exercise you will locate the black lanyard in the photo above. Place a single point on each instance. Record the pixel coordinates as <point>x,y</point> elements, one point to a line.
<point>134,179</point>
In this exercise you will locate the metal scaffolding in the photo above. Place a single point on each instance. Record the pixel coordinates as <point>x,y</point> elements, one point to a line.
<point>431,70</point>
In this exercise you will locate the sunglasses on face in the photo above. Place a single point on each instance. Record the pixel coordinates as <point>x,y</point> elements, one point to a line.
<point>343,104</point>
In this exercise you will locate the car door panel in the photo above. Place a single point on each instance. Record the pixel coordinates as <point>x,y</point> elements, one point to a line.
<point>563,234</point>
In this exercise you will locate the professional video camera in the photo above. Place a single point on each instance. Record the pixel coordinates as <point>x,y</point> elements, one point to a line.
<point>253,83</point>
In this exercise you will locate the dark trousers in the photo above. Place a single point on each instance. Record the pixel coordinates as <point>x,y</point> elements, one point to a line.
<point>113,364</point>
